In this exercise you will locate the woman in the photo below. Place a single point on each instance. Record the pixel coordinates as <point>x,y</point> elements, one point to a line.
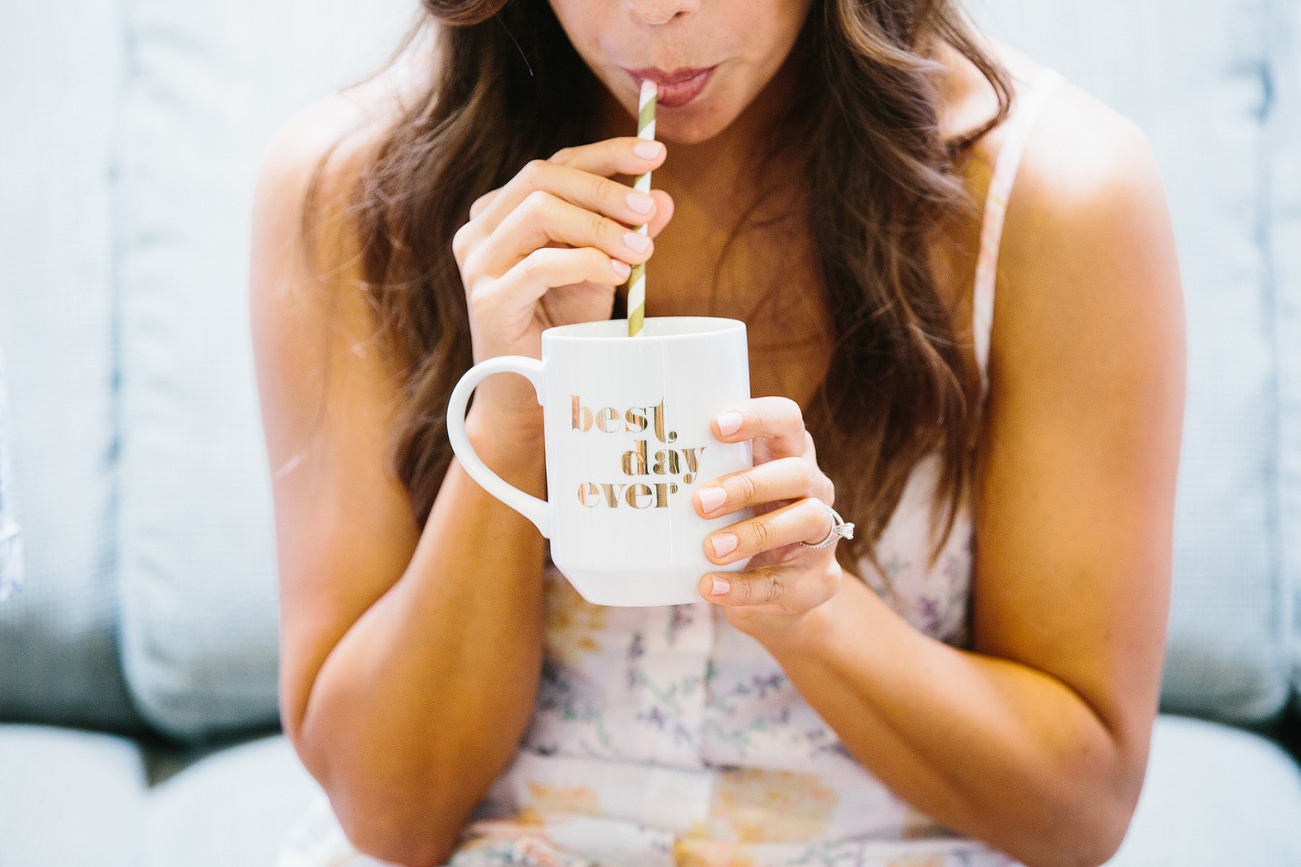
<point>983,657</point>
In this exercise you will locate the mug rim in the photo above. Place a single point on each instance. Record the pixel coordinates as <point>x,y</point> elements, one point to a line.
<point>590,331</point>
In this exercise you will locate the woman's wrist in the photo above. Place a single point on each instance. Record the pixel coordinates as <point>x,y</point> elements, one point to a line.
<point>512,445</point>
<point>509,428</point>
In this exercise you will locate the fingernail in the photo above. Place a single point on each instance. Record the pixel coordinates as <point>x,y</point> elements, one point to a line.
<point>724,544</point>
<point>621,268</point>
<point>640,202</point>
<point>647,149</point>
<point>637,243</point>
<point>711,498</point>
<point>729,423</point>
<point>720,587</point>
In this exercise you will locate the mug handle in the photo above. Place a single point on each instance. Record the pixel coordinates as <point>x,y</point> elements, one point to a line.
<point>538,511</point>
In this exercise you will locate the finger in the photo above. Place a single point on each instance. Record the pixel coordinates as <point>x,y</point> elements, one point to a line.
<point>787,586</point>
<point>806,520</point>
<point>664,208</point>
<point>625,155</point>
<point>482,202</point>
<point>782,479</point>
<point>542,219</point>
<point>776,420</point>
<point>587,190</point>
<point>543,269</point>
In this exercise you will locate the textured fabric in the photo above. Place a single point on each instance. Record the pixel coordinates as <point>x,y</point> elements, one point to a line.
<point>1196,79</point>
<point>229,810</point>
<point>666,736</point>
<point>69,798</point>
<point>60,71</point>
<point>209,85</point>
<point>1285,247</point>
<point>11,540</point>
<point>1214,796</point>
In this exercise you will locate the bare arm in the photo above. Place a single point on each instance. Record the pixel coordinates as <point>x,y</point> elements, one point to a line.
<point>1036,741</point>
<point>411,656</point>
<point>389,633</point>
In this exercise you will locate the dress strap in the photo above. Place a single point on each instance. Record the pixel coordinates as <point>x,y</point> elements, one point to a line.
<point>1019,127</point>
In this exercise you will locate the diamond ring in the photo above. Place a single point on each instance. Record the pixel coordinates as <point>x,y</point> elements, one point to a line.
<point>840,529</point>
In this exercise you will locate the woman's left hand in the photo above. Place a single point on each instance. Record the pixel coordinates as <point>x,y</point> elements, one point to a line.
<point>790,496</point>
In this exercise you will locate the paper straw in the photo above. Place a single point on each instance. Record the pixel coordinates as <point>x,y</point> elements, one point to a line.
<point>637,279</point>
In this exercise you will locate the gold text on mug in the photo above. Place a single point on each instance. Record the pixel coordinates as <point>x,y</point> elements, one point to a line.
<point>610,420</point>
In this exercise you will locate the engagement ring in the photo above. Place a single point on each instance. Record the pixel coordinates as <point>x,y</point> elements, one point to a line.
<point>840,529</point>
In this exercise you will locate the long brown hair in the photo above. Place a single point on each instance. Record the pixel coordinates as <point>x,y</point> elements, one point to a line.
<point>879,177</point>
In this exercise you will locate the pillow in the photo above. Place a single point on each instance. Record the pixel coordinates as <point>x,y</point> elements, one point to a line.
<point>211,83</point>
<point>1285,246</point>
<point>61,69</point>
<point>11,542</point>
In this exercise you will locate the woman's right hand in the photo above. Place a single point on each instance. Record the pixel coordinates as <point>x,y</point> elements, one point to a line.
<point>548,249</point>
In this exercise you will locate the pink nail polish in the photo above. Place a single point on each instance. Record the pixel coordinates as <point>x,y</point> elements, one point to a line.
<point>729,423</point>
<point>640,202</point>
<point>720,587</point>
<point>647,150</point>
<point>621,269</point>
<point>724,544</point>
<point>637,243</point>
<point>711,498</point>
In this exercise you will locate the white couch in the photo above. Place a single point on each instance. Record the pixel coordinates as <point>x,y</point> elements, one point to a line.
<point>140,659</point>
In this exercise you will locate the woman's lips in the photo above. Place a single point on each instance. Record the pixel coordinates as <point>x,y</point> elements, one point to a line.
<point>676,88</point>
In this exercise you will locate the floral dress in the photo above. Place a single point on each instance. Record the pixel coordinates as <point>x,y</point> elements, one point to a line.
<point>665,737</point>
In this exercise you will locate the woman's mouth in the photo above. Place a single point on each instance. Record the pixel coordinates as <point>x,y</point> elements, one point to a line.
<point>676,88</point>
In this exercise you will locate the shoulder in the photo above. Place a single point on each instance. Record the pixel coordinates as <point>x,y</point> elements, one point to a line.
<point>1089,300</point>
<point>1087,235</point>
<point>305,249</point>
<point>1088,230</point>
<point>307,288</point>
<point>323,149</point>
<point>1086,171</point>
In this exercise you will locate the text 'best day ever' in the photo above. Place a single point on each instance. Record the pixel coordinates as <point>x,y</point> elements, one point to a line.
<point>675,464</point>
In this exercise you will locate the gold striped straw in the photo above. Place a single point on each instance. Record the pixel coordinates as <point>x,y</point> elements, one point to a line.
<point>637,279</point>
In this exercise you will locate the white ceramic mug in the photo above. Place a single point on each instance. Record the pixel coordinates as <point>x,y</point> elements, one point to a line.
<point>628,440</point>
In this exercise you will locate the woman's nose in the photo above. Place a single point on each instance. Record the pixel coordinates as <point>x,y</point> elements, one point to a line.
<point>661,11</point>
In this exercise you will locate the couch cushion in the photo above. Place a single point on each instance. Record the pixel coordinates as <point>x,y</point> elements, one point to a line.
<point>1215,796</point>
<point>1285,244</point>
<point>233,808</point>
<point>1197,83</point>
<point>11,540</point>
<point>60,70</point>
<point>69,798</point>
<point>210,84</point>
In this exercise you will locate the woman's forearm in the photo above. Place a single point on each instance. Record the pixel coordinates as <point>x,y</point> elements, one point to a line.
<point>422,703</point>
<point>985,746</point>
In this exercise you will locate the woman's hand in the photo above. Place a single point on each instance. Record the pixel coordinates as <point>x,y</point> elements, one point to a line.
<point>790,496</point>
<point>548,249</point>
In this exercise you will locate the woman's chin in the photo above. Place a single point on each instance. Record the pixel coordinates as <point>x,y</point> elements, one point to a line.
<point>679,126</point>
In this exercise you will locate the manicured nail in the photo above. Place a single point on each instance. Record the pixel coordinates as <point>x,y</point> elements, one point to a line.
<point>711,498</point>
<point>640,202</point>
<point>720,587</point>
<point>729,423</point>
<point>724,544</point>
<point>637,243</point>
<point>621,268</point>
<point>648,150</point>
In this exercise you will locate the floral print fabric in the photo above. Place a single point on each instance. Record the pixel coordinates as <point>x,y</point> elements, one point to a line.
<point>664,737</point>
